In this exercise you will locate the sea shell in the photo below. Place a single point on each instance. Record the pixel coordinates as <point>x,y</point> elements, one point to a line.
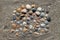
<point>39,8</point>
<point>28,6</point>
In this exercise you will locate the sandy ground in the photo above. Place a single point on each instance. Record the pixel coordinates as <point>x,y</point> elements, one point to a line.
<point>6,8</point>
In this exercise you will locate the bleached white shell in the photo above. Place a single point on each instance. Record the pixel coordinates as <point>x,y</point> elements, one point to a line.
<point>28,6</point>
<point>42,25</point>
<point>21,29</point>
<point>39,8</point>
<point>24,23</point>
<point>24,10</point>
<point>37,12</point>
<point>30,26</point>
<point>16,30</point>
<point>14,11</point>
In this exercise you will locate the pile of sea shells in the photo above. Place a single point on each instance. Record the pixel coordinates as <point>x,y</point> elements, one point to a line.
<point>30,19</point>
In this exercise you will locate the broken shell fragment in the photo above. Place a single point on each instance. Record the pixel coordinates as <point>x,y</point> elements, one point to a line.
<point>33,10</point>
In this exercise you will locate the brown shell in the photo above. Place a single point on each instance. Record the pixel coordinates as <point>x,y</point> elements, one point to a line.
<point>17,18</point>
<point>18,26</point>
<point>18,10</point>
<point>25,29</point>
<point>14,26</point>
<point>17,34</point>
<point>42,30</point>
<point>23,6</point>
<point>33,5</point>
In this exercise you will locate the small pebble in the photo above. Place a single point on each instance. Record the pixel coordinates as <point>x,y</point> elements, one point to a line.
<point>48,19</point>
<point>33,10</point>
<point>46,22</point>
<point>17,14</point>
<point>42,14</point>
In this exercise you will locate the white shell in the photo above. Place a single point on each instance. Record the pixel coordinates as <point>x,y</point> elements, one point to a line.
<point>24,10</point>
<point>24,23</point>
<point>14,11</point>
<point>13,14</point>
<point>39,8</point>
<point>46,15</point>
<point>18,22</point>
<point>45,29</point>
<point>37,12</point>
<point>39,28</point>
<point>28,6</point>
<point>42,25</point>
<point>30,26</point>
<point>21,29</point>
<point>34,20</point>
<point>16,30</point>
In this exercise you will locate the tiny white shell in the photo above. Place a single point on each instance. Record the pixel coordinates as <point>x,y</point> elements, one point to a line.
<point>23,10</point>
<point>21,29</point>
<point>46,15</point>
<point>39,8</point>
<point>42,25</point>
<point>14,11</point>
<point>34,20</point>
<point>45,29</point>
<point>28,6</point>
<point>30,26</point>
<point>39,28</point>
<point>24,23</point>
<point>16,30</point>
<point>37,12</point>
<point>13,14</point>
